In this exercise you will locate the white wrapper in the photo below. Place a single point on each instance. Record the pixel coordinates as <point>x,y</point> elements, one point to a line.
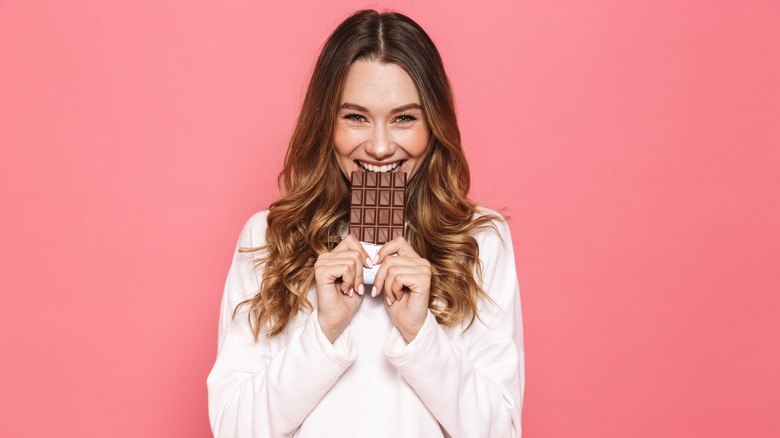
<point>369,274</point>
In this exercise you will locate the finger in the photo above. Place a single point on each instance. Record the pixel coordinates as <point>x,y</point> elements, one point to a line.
<point>399,246</point>
<point>384,277</point>
<point>414,274</point>
<point>347,277</point>
<point>393,284</point>
<point>332,270</point>
<point>356,260</point>
<point>396,282</point>
<point>411,261</point>
<point>350,257</point>
<point>357,265</point>
<point>379,281</point>
<point>390,282</point>
<point>350,243</point>
<point>407,279</point>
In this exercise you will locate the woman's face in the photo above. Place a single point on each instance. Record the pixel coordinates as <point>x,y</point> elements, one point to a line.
<point>380,125</point>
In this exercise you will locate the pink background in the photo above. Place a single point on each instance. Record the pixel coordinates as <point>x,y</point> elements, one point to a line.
<point>634,144</point>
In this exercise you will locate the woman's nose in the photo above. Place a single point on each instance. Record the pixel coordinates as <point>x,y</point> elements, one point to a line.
<point>380,146</point>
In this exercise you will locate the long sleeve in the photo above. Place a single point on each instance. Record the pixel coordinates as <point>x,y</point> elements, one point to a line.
<point>472,382</point>
<point>266,389</point>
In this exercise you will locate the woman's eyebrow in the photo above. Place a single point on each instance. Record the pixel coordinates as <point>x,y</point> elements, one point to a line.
<point>406,107</point>
<point>400,109</point>
<point>352,106</point>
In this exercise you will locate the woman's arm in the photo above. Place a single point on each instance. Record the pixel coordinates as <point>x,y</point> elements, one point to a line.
<point>267,389</point>
<point>473,382</point>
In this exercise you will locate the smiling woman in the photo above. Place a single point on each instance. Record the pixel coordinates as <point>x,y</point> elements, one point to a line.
<point>381,126</point>
<point>436,348</point>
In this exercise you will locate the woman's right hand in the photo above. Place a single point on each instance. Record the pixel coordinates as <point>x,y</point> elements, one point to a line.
<point>339,278</point>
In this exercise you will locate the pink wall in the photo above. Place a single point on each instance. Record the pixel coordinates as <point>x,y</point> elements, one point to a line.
<point>634,144</point>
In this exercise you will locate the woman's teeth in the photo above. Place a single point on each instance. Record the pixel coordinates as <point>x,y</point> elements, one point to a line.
<point>386,168</point>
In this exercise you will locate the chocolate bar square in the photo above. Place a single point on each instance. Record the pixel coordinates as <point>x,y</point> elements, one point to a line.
<point>377,205</point>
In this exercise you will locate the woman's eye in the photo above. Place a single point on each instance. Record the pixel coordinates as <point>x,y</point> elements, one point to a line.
<point>406,118</point>
<point>355,117</point>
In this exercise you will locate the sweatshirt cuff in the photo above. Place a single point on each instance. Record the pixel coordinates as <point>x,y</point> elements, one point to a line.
<point>399,352</point>
<point>342,352</point>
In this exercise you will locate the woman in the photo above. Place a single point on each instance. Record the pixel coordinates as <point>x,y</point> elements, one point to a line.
<point>434,348</point>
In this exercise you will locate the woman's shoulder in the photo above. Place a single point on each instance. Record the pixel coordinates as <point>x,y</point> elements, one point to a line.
<point>258,219</point>
<point>253,232</point>
<point>492,235</point>
<point>493,222</point>
<point>487,212</point>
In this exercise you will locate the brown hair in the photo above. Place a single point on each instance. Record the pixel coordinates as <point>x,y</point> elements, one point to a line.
<point>304,222</point>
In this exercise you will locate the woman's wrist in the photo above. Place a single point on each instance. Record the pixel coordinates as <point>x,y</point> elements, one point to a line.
<point>408,335</point>
<point>330,331</point>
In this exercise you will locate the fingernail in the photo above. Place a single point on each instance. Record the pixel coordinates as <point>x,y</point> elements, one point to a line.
<point>375,259</point>
<point>351,292</point>
<point>373,291</point>
<point>369,263</point>
<point>360,290</point>
<point>389,303</point>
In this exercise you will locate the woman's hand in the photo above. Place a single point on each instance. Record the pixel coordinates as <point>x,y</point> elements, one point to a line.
<point>406,283</point>
<point>339,278</point>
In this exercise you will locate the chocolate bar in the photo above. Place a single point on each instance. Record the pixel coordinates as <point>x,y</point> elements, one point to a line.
<point>376,213</point>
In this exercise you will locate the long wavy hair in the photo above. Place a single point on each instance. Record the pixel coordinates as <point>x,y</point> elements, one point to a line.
<point>314,202</point>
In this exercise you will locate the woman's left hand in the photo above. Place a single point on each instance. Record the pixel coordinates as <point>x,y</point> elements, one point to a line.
<point>406,283</point>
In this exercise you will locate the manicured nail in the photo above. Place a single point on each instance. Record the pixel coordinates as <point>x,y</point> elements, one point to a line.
<point>360,290</point>
<point>373,291</point>
<point>375,259</point>
<point>369,263</point>
<point>389,303</point>
<point>351,291</point>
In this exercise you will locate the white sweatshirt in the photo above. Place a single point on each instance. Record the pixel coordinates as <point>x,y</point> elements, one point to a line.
<point>370,382</point>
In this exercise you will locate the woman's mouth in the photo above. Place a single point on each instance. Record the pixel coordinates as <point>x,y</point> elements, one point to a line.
<point>392,167</point>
